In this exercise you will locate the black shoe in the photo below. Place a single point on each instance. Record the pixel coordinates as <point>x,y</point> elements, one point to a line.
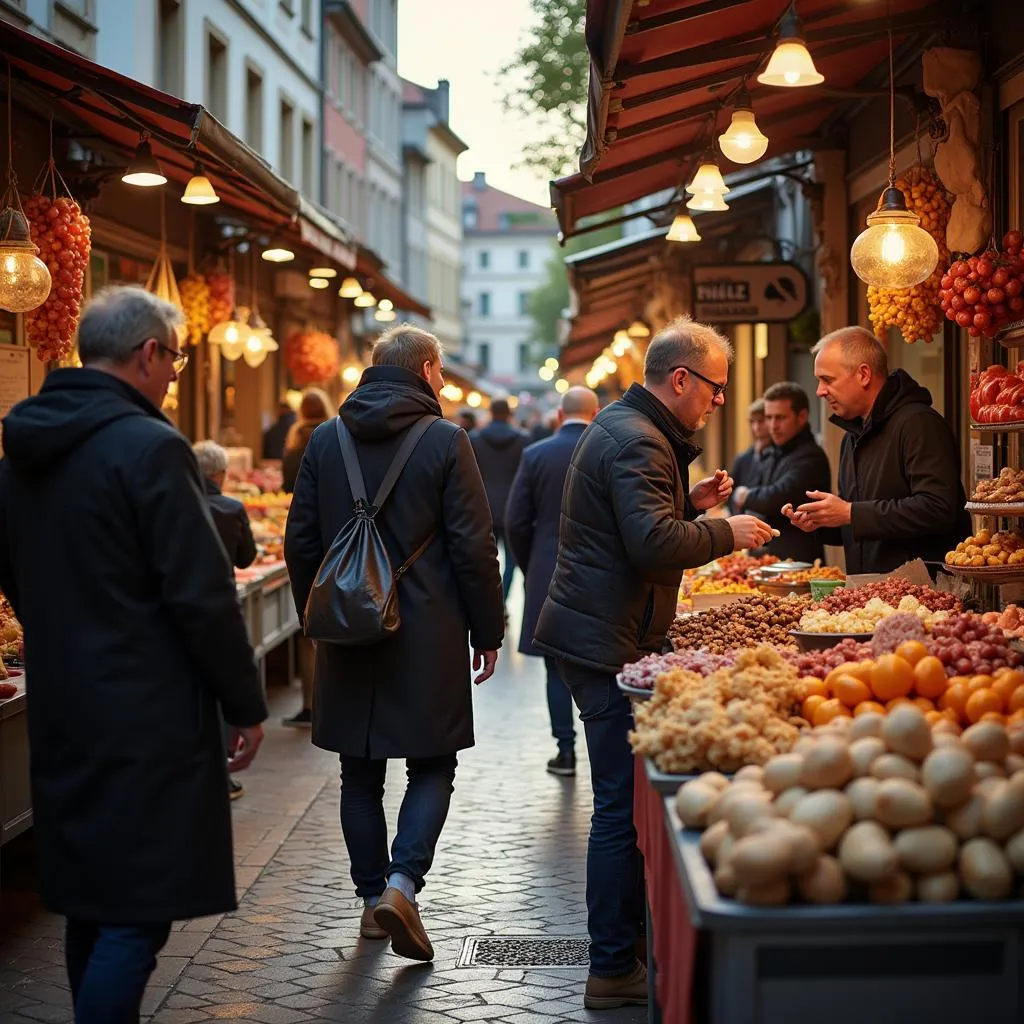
<point>303,720</point>
<point>235,789</point>
<point>564,764</point>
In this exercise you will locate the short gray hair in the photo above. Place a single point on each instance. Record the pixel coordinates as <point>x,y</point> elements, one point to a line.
<point>406,346</point>
<point>580,401</point>
<point>211,457</point>
<point>119,319</point>
<point>680,342</point>
<point>858,346</point>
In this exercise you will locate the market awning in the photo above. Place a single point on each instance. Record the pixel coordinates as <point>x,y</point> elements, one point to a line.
<point>371,267</point>
<point>661,73</point>
<point>104,107</point>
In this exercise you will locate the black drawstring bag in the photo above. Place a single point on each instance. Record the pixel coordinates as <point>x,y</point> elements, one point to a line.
<point>354,599</point>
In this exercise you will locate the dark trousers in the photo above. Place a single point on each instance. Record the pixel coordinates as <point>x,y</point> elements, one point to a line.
<point>509,566</point>
<point>614,879</point>
<point>560,708</point>
<point>420,820</point>
<point>109,966</point>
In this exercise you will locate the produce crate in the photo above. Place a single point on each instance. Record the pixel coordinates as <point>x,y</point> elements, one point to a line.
<point>852,963</point>
<point>15,791</point>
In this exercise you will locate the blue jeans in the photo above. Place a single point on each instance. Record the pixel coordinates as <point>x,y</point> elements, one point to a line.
<point>109,966</point>
<point>509,562</point>
<point>420,820</point>
<point>560,708</point>
<point>614,866</point>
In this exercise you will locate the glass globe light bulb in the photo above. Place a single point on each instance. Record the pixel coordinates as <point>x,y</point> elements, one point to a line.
<point>894,251</point>
<point>24,278</point>
<point>743,142</point>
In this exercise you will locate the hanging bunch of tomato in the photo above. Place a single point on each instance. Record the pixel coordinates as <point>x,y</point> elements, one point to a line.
<point>986,292</point>
<point>915,311</point>
<point>221,288</point>
<point>195,301</point>
<point>312,357</point>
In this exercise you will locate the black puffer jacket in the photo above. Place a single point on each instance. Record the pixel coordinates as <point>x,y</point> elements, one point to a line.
<point>626,535</point>
<point>498,448</point>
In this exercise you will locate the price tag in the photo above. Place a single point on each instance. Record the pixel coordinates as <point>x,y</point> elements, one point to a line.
<point>982,458</point>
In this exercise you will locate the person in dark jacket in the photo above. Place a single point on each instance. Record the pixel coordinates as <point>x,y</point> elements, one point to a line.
<point>275,436</point>
<point>498,448</point>
<point>531,522</point>
<point>746,467</point>
<point>314,409</point>
<point>229,514</point>
<point>793,464</point>
<point>133,639</point>
<point>628,530</point>
<point>409,695</point>
<point>900,495</point>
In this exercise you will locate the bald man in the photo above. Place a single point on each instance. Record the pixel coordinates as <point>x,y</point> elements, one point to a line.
<point>531,522</point>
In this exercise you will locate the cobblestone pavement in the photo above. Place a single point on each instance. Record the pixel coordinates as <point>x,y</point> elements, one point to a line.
<point>511,863</point>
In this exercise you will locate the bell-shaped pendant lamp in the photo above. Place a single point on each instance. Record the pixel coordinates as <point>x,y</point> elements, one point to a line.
<point>319,283</point>
<point>24,278</point>
<point>144,171</point>
<point>743,142</point>
<point>683,229</point>
<point>708,202</point>
<point>200,191</point>
<point>324,272</point>
<point>385,311</point>
<point>638,331</point>
<point>791,65</point>
<point>350,288</point>
<point>365,300</point>
<point>708,180</point>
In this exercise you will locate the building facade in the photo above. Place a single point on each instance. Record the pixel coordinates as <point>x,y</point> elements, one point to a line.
<point>507,243</point>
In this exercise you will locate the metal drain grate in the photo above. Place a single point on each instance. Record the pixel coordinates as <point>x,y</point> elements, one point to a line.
<point>524,951</point>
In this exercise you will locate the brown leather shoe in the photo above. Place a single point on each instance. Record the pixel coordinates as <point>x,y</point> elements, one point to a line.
<point>368,928</point>
<point>401,920</point>
<point>611,993</point>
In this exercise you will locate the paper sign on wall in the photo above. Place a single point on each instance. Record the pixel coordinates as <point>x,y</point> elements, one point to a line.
<point>982,458</point>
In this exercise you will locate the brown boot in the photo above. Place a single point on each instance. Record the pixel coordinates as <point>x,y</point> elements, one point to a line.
<point>401,920</point>
<point>611,993</point>
<point>368,928</point>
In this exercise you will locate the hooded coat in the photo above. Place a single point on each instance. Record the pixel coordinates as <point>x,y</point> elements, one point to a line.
<point>133,637</point>
<point>408,695</point>
<point>498,448</point>
<point>900,470</point>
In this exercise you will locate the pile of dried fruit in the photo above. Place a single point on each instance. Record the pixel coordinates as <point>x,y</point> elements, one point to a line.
<point>988,550</point>
<point>732,567</point>
<point>644,673</point>
<point>863,619</point>
<point>1005,489</point>
<point>758,619</point>
<point>715,585</point>
<point>222,295</point>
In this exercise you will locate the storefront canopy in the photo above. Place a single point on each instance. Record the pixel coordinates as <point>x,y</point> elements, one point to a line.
<point>662,77</point>
<point>371,267</point>
<point>114,111</point>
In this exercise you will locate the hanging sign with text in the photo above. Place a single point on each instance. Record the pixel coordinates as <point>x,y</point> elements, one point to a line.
<point>731,293</point>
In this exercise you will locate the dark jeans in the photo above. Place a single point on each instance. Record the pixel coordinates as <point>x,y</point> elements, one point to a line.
<point>560,708</point>
<point>420,820</point>
<point>109,966</point>
<point>510,563</point>
<point>614,879</point>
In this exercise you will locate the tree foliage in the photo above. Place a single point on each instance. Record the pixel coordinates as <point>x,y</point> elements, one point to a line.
<point>546,84</point>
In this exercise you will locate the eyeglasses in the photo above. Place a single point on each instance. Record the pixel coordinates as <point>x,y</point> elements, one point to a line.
<point>179,360</point>
<point>716,389</point>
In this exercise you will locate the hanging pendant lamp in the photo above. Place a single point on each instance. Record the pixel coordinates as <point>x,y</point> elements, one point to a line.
<point>791,65</point>
<point>683,229</point>
<point>743,142</point>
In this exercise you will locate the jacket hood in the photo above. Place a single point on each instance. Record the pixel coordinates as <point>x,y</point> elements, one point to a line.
<point>499,434</point>
<point>899,390</point>
<point>387,401</point>
<point>72,405</point>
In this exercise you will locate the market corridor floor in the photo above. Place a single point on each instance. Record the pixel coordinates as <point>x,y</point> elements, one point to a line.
<point>511,862</point>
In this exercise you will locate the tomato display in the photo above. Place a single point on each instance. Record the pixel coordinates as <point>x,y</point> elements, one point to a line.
<point>997,395</point>
<point>984,293</point>
<point>312,357</point>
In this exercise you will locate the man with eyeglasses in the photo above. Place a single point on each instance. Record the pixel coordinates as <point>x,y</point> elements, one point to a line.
<point>629,529</point>
<point>134,641</point>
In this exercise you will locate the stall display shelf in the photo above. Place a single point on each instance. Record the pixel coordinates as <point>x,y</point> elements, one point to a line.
<point>636,692</point>
<point>666,782</point>
<point>996,574</point>
<point>998,428</point>
<point>995,508</point>
<point>820,641</point>
<point>15,792</point>
<point>1012,335</point>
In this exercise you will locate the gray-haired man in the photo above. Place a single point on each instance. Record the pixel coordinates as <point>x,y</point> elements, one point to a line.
<point>133,640</point>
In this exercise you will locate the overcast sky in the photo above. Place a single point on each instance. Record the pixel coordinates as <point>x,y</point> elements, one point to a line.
<point>466,41</point>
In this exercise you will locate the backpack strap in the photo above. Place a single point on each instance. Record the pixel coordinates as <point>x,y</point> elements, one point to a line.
<point>355,475</point>
<point>409,442</point>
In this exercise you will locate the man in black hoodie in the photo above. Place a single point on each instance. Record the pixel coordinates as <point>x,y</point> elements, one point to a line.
<point>134,641</point>
<point>900,495</point>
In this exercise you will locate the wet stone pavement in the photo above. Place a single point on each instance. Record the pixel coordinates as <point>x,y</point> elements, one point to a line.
<point>511,863</point>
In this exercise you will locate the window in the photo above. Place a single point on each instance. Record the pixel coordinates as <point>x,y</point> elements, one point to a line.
<point>524,357</point>
<point>524,303</point>
<point>470,216</point>
<point>524,259</point>
<point>308,159</point>
<point>484,303</point>
<point>170,48</point>
<point>254,109</point>
<point>286,142</point>
<point>307,17</point>
<point>484,259</point>
<point>483,357</point>
<point>216,77</point>
<point>288,6</point>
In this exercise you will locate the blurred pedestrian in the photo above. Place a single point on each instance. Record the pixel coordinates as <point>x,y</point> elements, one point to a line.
<point>746,467</point>
<point>531,524</point>
<point>628,530</point>
<point>498,448</point>
<point>276,434</point>
<point>316,407</point>
<point>105,532</point>
<point>467,419</point>
<point>408,696</point>
<point>228,514</point>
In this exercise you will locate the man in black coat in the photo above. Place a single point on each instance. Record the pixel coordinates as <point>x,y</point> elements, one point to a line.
<point>628,530</point>
<point>900,495</point>
<point>793,465</point>
<point>275,435</point>
<point>498,448</point>
<point>134,642</point>
<point>746,467</point>
<point>409,695</point>
<point>531,522</point>
<point>229,515</point>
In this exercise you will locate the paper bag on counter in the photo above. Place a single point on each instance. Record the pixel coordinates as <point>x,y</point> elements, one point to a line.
<point>915,571</point>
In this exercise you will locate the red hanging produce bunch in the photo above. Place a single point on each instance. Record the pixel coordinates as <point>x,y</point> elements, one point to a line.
<point>221,287</point>
<point>312,357</point>
<point>997,395</point>
<point>986,292</point>
<point>62,232</point>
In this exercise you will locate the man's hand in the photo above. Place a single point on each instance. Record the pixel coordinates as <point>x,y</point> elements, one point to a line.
<point>243,742</point>
<point>798,519</point>
<point>483,665</point>
<point>750,532</point>
<point>711,491</point>
<point>739,498</point>
<point>825,510</point>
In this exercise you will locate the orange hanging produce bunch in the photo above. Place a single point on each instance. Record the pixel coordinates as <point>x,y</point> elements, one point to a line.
<point>62,232</point>
<point>221,288</point>
<point>195,301</point>
<point>312,357</point>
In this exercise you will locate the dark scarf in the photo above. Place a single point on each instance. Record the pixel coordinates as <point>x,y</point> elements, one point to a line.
<point>681,439</point>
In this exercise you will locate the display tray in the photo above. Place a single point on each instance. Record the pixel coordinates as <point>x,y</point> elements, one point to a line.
<point>987,573</point>
<point>783,589</point>
<point>998,428</point>
<point>705,602</point>
<point>636,692</point>
<point>821,641</point>
<point>666,782</point>
<point>996,508</point>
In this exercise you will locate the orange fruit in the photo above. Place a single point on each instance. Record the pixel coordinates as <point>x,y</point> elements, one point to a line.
<point>891,677</point>
<point>813,685</point>
<point>896,702</point>
<point>848,668</point>
<point>810,705</point>
<point>867,707</point>
<point>930,677</point>
<point>830,709</point>
<point>945,725</point>
<point>931,717</point>
<point>1016,701</point>
<point>1015,717</point>
<point>955,697</point>
<point>993,716</point>
<point>851,691</point>
<point>912,651</point>
<point>1006,684</point>
<point>924,703</point>
<point>1012,673</point>
<point>980,702</point>
<point>976,683</point>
